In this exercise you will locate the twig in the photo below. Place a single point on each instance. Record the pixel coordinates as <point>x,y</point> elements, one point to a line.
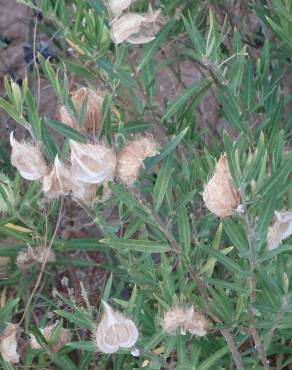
<point>259,347</point>
<point>232,347</point>
<point>44,262</point>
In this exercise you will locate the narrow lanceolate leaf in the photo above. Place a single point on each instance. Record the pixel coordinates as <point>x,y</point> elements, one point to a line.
<point>162,183</point>
<point>151,48</point>
<point>89,346</point>
<point>66,131</point>
<point>191,91</point>
<point>213,359</point>
<point>165,151</point>
<point>184,230</point>
<point>146,246</point>
<point>226,261</point>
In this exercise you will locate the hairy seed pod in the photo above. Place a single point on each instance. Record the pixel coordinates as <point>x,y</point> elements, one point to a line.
<point>58,181</point>
<point>64,337</point>
<point>28,159</point>
<point>118,6</point>
<point>93,114</point>
<point>184,320</point>
<point>115,331</point>
<point>84,192</point>
<point>32,256</point>
<point>8,344</point>
<point>219,195</point>
<point>129,27</point>
<point>92,164</point>
<point>280,230</point>
<point>131,158</point>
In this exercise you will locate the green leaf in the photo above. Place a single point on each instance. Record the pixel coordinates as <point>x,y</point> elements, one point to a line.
<point>165,151</point>
<point>213,359</point>
<point>151,48</point>
<point>66,131</point>
<point>162,182</point>
<point>89,346</point>
<point>236,235</point>
<point>184,230</point>
<point>146,246</point>
<point>192,91</point>
<point>226,261</point>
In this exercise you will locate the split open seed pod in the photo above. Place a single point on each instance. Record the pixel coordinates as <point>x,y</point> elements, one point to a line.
<point>8,344</point>
<point>58,181</point>
<point>115,331</point>
<point>118,6</point>
<point>64,337</point>
<point>28,159</point>
<point>92,164</point>
<point>219,195</point>
<point>33,256</point>
<point>184,320</point>
<point>131,158</point>
<point>280,230</point>
<point>134,28</point>
<point>93,113</point>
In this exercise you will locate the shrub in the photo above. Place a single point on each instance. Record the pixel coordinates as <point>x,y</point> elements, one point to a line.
<point>184,220</point>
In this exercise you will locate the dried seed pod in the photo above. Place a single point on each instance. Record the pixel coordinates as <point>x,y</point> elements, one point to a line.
<point>93,115</point>
<point>32,256</point>
<point>8,344</point>
<point>219,195</point>
<point>58,181</point>
<point>281,229</point>
<point>28,159</point>
<point>184,319</point>
<point>92,164</point>
<point>64,338</point>
<point>115,331</point>
<point>84,192</point>
<point>131,158</point>
<point>131,27</point>
<point>118,6</point>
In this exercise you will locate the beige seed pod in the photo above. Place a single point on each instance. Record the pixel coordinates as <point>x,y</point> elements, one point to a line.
<point>219,195</point>
<point>131,27</point>
<point>280,230</point>
<point>84,192</point>
<point>131,158</point>
<point>118,6</point>
<point>8,344</point>
<point>28,159</point>
<point>115,331</point>
<point>32,256</point>
<point>92,164</point>
<point>93,115</point>
<point>58,181</point>
<point>184,320</point>
<point>64,338</point>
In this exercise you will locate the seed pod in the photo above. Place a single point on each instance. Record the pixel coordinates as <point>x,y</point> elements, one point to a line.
<point>93,115</point>
<point>281,229</point>
<point>115,331</point>
<point>58,181</point>
<point>92,164</point>
<point>219,195</point>
<point>184,320</point>
<point>131,158</point>
<point>8,344</point>
<point>32,256</point>
<point>64,338</point>
<point>84,192</point>
<point>28,159</point>
<point>117,6</point>
<point>131,27</point>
